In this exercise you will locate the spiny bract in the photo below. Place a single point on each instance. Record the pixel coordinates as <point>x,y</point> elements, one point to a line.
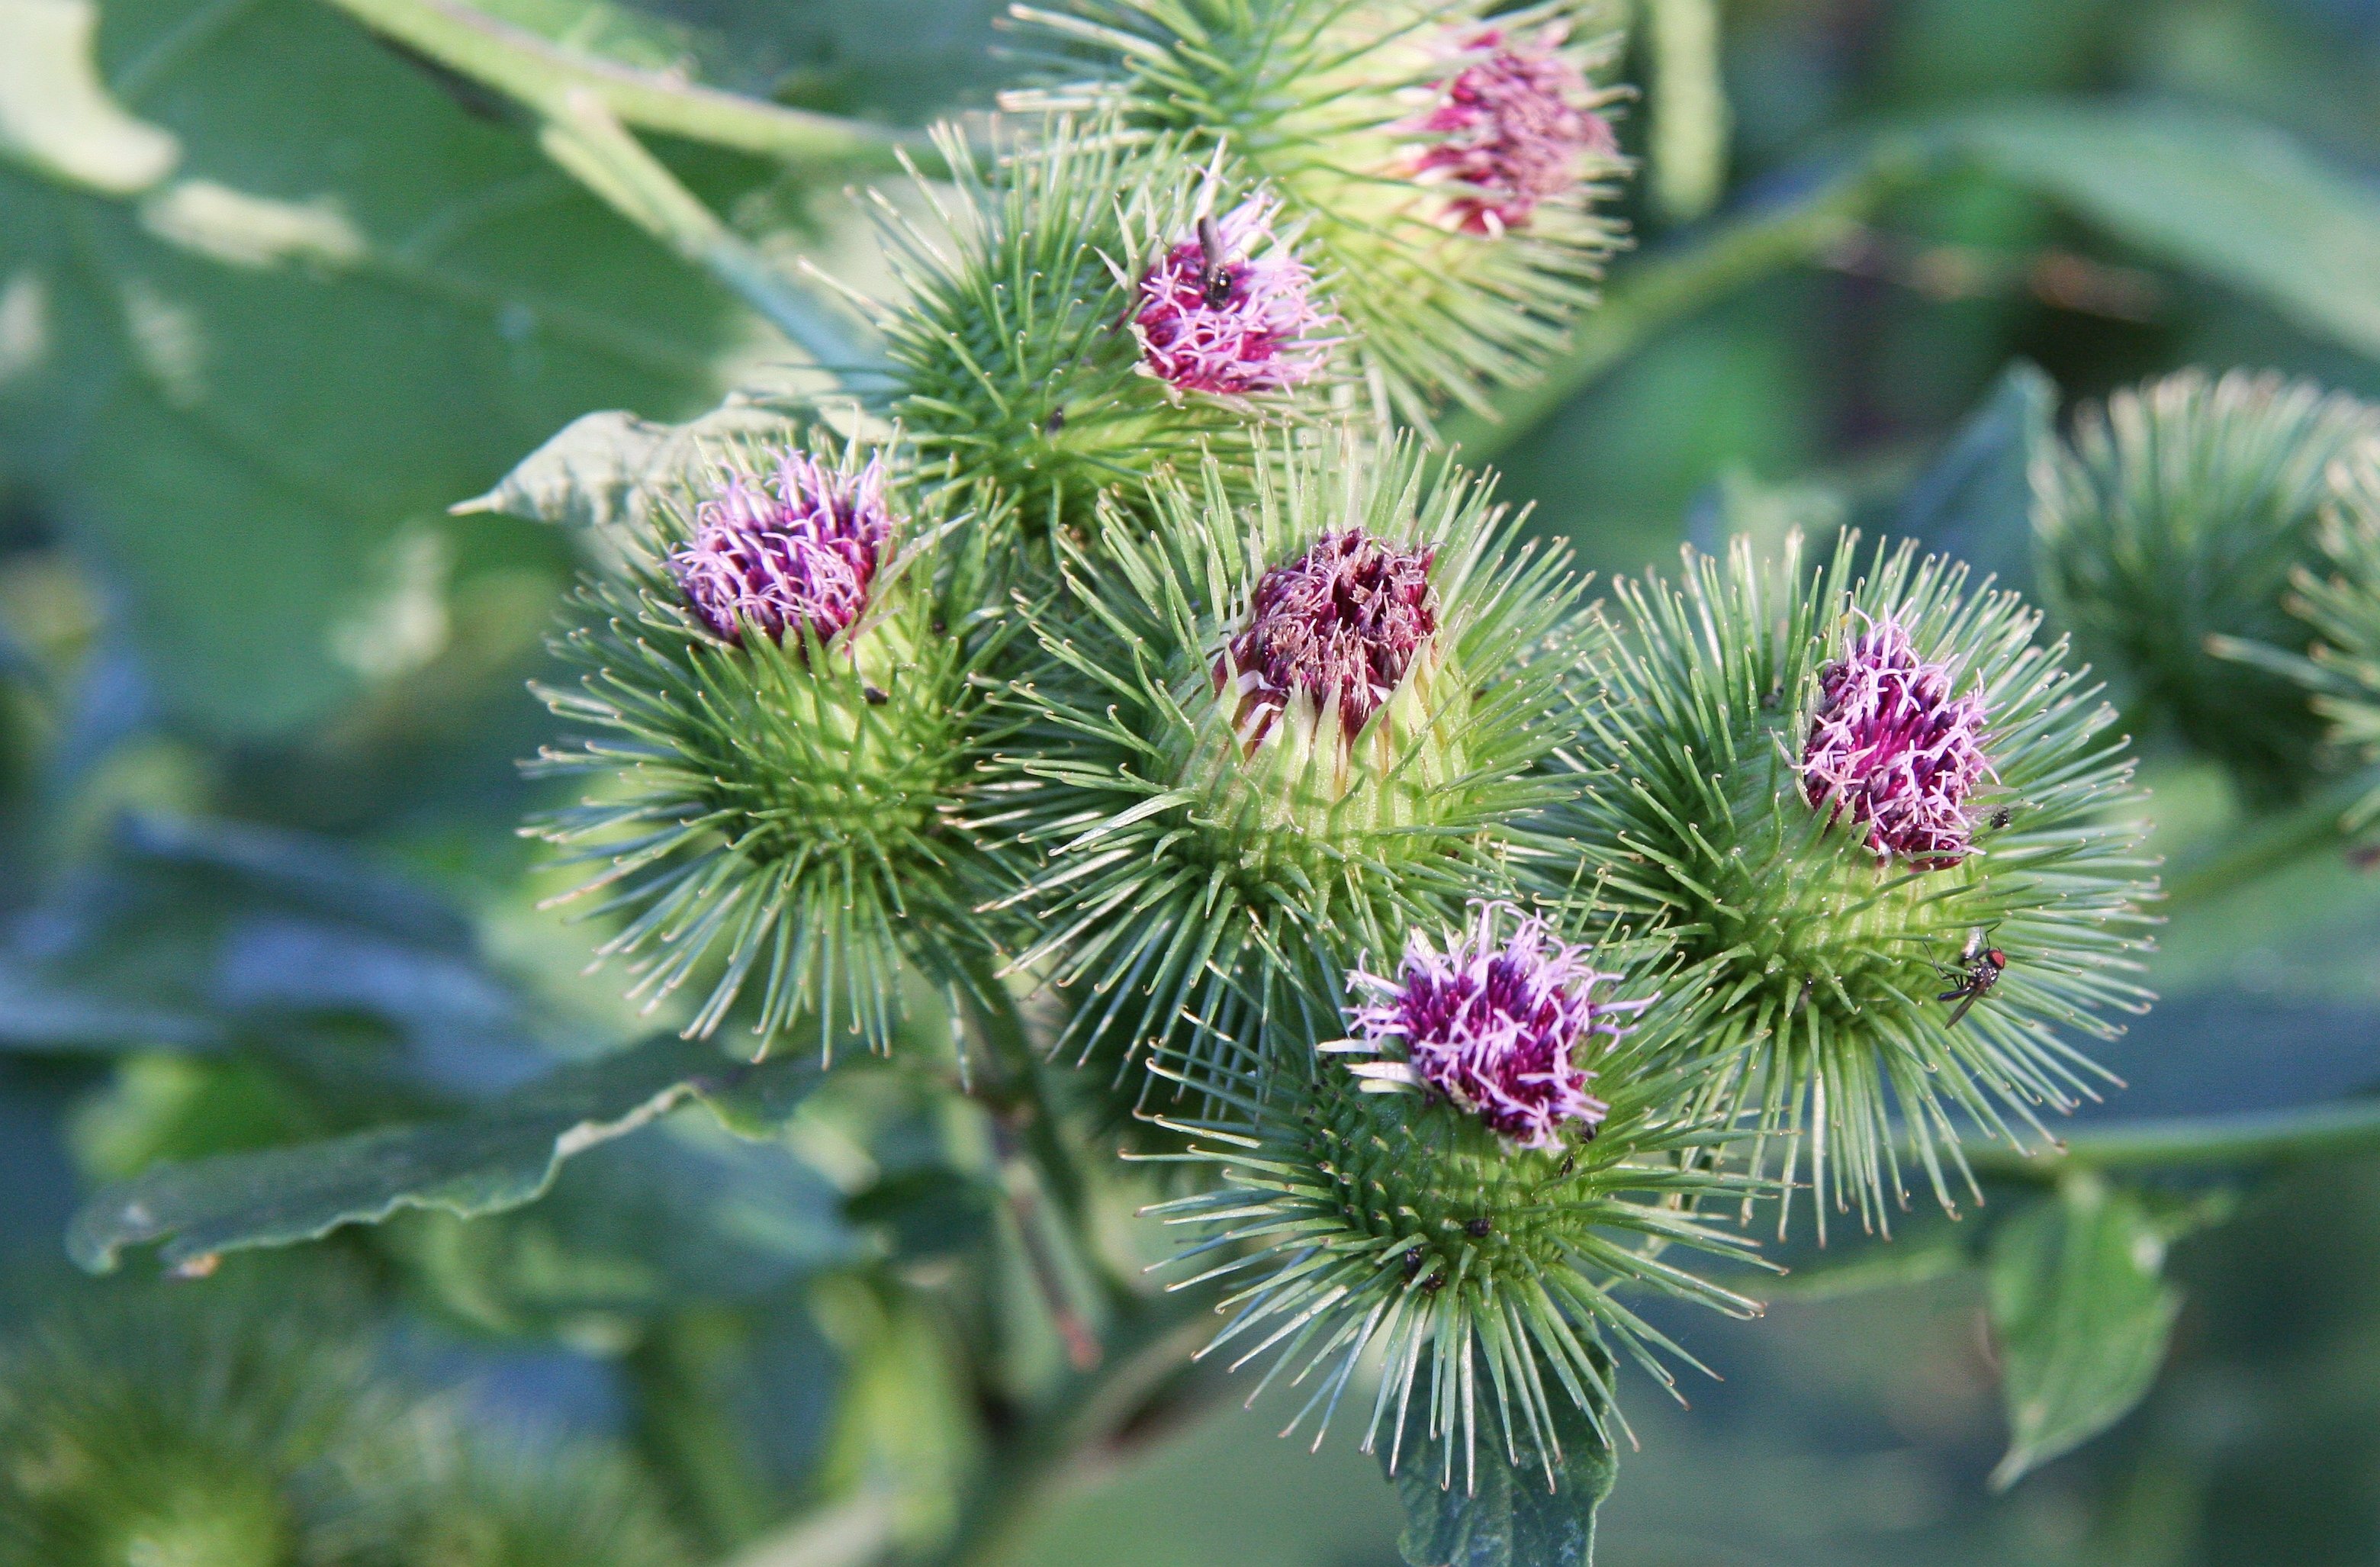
<point>1445,161</point>
<point>782,676</point>
<point>1707,819</point>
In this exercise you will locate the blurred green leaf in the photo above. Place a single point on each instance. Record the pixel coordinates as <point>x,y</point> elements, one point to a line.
<point>1975,502</point>
<point>1511,1516</point>
<point>2228,199</point>
<point>234,389</point>
<point>56,116</point>
<point>505,1154</point>
<point>2080,1312</point>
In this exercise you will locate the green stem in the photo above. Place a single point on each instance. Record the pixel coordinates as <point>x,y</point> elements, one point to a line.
<point>2196,1141</point>
<point>1676,284</point>
<point>2268,844</point>
<point>582,134</point>
<point>521,64</point>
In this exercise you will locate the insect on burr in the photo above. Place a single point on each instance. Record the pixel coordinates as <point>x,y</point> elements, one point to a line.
<point>1977,970</point>
<point>1215,277</point>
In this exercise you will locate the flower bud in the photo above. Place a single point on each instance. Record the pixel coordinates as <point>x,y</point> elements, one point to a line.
<point>2176,515</point>
<point>1270,731</point>
<point>1884,832</point>
<point>1460,1202</point>
<point>780,677</point>
<point>1100,306</point>
<point>1445,164</point>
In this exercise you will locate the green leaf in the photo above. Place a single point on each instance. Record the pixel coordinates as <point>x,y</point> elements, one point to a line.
<point>2081,1313</point>
<point>505,1154</point>
<point>1975,502</point>
<point>1511,1516</point>
<point>354,305</point>
<point>2230,199</point>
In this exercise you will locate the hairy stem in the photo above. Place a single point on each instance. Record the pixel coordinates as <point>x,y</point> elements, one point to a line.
<point>582,134</point>
<point>520,65</point>
<point>2328,1130</point>
<point>1679,282</point>
<point>2272,843</point>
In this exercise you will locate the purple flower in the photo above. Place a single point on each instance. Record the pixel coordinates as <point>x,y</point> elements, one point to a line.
<point>1890,746</point>
<point>795,550</point>
<point>1214,319</point>
<point>1509,129</point>
<point>1494,1028</point>
<point>1343,621</point>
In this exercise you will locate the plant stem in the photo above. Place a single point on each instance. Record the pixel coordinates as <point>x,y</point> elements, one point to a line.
<point>523,66</point>
<point>2249,1138</point>
<point>580,133</point>
<point>2268,844</point>
<point>1680,281</point>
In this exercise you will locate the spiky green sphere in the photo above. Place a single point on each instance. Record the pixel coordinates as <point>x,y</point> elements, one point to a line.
<point>782,697</point>
<point>1476,1273</point>
<point>1447,161</point>
<point>1270,731</point>
<point>1019,355</point>
<point>1838,793</point>
<point>2179,514</point>
<point>2341,602</point>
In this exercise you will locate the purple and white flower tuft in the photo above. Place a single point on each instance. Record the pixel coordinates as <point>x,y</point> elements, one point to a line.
<point>797,549</point>
<point>1494,1027</point>
<point>1893,749</point>
<point>1507,129</point>
<point>1343,621</point>
<point>1214,317</point>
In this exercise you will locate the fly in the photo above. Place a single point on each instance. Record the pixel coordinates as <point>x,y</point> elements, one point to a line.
<point>1978,969</point>
<point>1215,276</point>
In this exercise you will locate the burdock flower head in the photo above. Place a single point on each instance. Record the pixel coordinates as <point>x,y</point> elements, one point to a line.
<point>787,553</point>
<point>1463,1230</point>
<point>2177,517</point>
<point>1892,749</point>
<point>1225,311</point>
<point>781,689</point>
<point>1081,318</point>
<point>1833,790</point>
<point>1442,166</point>
<point>1273,731</point>
<point>1510,129</point>
<point>1342,624</point>
<point>1496,1027</point>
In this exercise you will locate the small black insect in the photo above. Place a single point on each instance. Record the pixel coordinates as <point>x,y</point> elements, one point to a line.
<point>876,699</point>
<point>2002,817</point>
<point>1479,1226</point>
<point>1215,277</point>
<point>1570,1162</point>
<point>1412,1261</point>
<point>1056,421</point>
<point>1434,1283</point>
<point>941,627</point>
<point>1978,969</point>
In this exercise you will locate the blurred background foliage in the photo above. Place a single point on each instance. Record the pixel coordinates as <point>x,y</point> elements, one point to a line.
<point>275,293</point>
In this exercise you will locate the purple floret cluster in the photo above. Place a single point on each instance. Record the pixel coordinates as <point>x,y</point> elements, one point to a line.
<point>797,548</point>
<point>1507,131</point>
<point>1496,1028</point>
<point>1232,323</point>
<point>1343,621</point>
<point>1891,748</point>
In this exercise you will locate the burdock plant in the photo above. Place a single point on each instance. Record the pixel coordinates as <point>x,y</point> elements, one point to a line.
<point>1836,793</point>
<point>1445,161</point>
